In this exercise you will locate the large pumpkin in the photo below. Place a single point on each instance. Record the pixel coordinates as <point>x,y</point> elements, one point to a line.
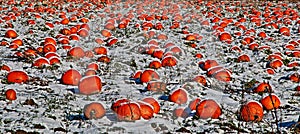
<point>208,109</point>
<point>179,96</point>
<point>17,77</point>
<point>252,111</point>
<point>90,85</point>
<point>71,77</point>
<point>118,103</point>
<point>128,111</point>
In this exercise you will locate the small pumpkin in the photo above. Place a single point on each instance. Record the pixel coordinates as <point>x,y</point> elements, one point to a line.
<point>193,104</point>
<point>181,112</point>
<point>11,94</point>
<point>94,110</point>
<point>156,86</point>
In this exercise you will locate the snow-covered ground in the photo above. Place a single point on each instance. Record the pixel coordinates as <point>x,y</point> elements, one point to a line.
<point>59,108</point>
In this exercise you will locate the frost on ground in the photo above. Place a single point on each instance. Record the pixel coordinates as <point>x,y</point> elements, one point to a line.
<point>45,105</point>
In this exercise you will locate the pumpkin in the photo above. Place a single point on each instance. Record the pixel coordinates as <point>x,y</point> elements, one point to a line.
<point>128,111</point>
<point>252,111</point>
<point>168,61</point>
<point>11,94</point>
<point>270,102</point>
<point>118,103</point>
<point>154,103</point>
<point>222,75</point>
<point>207,64</point>
<point>156,86</point>
<point>148,75</point>
<point>76,52</point>
<point>94,110</point>
<point>181,112</point>
<point>71,77</point>
<point>201,80</point>
<point>146,109</point>
<point>208,109</point>
<point>179,96</point>
<point>193,104</point>
<point>263,87</point>
<point>11,33</point>
<point>41,62</point>
<point>17,77</point>
<point>90,85</point>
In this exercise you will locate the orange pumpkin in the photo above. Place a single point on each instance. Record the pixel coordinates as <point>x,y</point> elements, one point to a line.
<point>5,67</point>
<point>252,111</point>
<point>207,64</point>
<point>285,31</point>
<point>89,54</point>
<point>17,77</point>
<point>54,60</point>
<point>156,86</point>
<point>106,33</point>
<point>208,109</point>
<point>94,110</point>
<point>104,59</point>
<point>179,96</point>
<point>213,70</point>
<point>226,37</point>
<point>49,48</point>
<point>118,103</point>
<point>158,53</point>
<point>71,77</point>
<point>243,58</point>
<point>11,34</point>
<point>222,75</point>
<point>193,104</point>
<point>137,74</point>
<point>90,85</point>
<point>275,64</point>
<point>148,75</point>
<point>146,109</point>
<point>181,112</point>
<point>93,66</point>
<point>11,94</point>
<point>83,32</point>
<point>154,103</point>
<point>263,87</point>
<point>200,79</point>
<point>129,111</point>
<point>90,72</point>
<point>76,52</point>
<point>155,64</point>
<point>41,62</point>
<point>295,77</point>
<point>270,102</point>
<point>168,61</point>
<point>51,54</point>
<point>100,50</point>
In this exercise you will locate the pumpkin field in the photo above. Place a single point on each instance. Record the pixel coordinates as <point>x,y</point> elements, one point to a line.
<point>149,66</point>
